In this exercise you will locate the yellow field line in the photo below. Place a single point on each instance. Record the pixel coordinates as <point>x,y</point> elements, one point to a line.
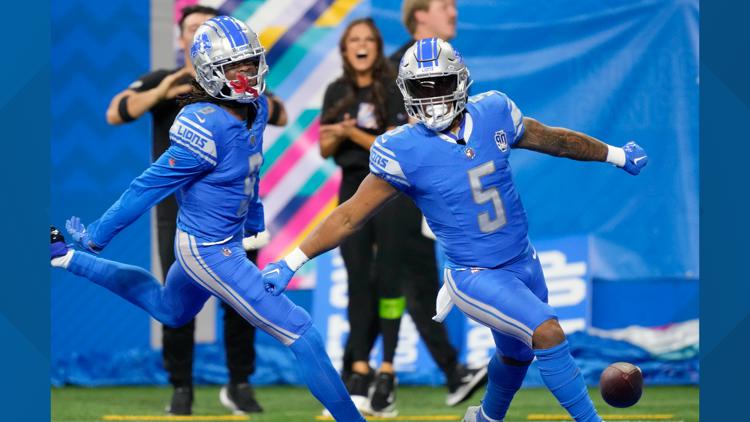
<point>621,417</point>
<point>531,417</point>
<point>403,418</point>
<point>175,418</point>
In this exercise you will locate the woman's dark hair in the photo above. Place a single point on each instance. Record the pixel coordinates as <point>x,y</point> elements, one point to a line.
<point>382,77</point>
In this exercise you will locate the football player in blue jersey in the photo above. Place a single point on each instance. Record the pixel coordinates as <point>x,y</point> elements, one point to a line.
<point>454,165</point>
<point>213,165</point>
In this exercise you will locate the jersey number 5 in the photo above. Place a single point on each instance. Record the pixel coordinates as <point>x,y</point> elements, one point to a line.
<point>482,196</point>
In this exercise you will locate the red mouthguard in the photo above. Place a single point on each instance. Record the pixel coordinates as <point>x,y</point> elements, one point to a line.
<point>242,85</point>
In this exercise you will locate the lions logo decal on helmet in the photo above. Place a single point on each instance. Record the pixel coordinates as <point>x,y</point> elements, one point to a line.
<point>201,44</point>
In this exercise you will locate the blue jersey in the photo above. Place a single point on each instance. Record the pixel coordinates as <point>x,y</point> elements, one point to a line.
<point>465,192</point>
<point>213,164</point>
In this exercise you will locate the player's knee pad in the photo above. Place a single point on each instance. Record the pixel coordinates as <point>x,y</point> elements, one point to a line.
<point>298,321</point>
<point>391,308</point>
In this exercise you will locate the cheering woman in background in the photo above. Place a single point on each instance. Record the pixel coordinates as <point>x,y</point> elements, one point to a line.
<point>357,107</point>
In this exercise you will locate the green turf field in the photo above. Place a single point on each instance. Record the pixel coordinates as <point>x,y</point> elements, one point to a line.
<point>286,404</point>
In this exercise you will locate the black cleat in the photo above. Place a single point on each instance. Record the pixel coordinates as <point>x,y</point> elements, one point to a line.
<point>57,246</point>
<point>383,399</point>
<point>239,398</point>
<point>182,401</point>
<point>463,382</point>
<point>358,386</point>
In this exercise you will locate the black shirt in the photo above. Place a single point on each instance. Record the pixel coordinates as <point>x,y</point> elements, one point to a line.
<point>164,112</point>
<point>350,156</point>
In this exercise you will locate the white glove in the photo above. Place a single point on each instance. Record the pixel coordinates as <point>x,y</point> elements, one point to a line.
<point>426,230</point>
<point>443,304</point>
<point>256,242</point>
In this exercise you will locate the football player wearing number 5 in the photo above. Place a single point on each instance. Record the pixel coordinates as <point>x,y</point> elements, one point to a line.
<point>213,163</point>
<point>454,165</point>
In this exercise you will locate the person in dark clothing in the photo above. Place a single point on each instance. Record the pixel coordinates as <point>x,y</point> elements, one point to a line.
<point>157,92</point>
<point>357,107</point>
<point>425,19</point>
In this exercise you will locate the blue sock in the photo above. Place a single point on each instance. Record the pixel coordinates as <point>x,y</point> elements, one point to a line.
<point>504,381</point>
<point>174,304</point>
<point>565,381</point>
<point>321,377</point>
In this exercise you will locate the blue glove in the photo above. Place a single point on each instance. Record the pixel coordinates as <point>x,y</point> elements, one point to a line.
<point>276,276</point>
<point>635,158</point>
<point>78,232</point>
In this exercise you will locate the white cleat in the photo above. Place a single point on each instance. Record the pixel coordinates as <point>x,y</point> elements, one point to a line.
<point>475,414</point>
<point>360,402</point>
<point>388,412</point>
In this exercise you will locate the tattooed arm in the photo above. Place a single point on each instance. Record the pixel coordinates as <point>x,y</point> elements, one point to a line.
<point>561,142</point>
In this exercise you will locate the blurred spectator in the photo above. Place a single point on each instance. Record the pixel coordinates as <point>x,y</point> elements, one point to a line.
<point>357,107</point>
<point>419,278</point>
<point>156,92</point>
<point>426,19</point>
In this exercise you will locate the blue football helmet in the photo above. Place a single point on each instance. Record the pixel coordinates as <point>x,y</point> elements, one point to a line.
<point>434,82</point>
<point>221,42</point>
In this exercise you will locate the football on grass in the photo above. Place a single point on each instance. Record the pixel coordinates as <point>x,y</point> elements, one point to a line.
<point>621,384</point>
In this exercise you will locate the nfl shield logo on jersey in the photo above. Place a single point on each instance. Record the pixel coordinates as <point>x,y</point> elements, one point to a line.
<point>501,140</point>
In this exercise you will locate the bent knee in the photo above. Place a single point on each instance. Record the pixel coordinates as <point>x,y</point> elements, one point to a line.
<point>298,321</point>
<point>547,335</point>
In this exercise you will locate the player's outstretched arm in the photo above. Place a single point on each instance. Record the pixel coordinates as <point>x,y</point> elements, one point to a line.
<point>175,168</point>
<point>373,193</point>
<point>561,142</point>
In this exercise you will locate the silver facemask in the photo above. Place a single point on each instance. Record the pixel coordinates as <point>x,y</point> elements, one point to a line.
<point>434,82</point>
<point>223,41</point>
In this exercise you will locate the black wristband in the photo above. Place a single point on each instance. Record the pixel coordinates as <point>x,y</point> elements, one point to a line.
<point>274,117</point>
<point>122,110</point>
